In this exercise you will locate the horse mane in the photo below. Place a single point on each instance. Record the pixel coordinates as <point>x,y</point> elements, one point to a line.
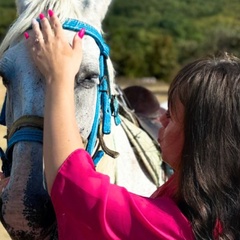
<point>62,8</point>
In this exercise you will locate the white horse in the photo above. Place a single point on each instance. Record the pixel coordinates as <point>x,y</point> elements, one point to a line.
<point>27,212</point>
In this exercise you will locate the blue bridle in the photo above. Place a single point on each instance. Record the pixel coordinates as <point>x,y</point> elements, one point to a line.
<point>106,103</point>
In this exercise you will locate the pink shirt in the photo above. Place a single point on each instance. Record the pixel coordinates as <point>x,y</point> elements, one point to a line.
<point>87,206</point>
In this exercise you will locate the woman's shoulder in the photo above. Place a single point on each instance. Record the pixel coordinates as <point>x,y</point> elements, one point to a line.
<point>166,216</point>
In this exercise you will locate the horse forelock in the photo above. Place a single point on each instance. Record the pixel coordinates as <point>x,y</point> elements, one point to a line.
<point>89,11</point>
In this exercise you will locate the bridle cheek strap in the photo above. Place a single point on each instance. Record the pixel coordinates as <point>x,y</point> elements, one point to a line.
<point>106,103</point>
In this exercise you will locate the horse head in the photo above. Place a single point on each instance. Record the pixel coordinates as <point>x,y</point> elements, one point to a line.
<point>27,212</point>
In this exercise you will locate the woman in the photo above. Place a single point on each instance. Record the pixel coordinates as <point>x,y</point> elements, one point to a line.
<point>199,139</point>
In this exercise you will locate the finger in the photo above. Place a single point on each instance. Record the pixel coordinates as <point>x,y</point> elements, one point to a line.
<point>77,40</point>
<point>37,32</point>
<point>30,43</point>
<point>47,31</point>
<point>33,47</point>
<point>55,24</point>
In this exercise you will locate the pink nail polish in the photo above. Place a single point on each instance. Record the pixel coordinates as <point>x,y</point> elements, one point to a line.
<point>81,33</point>
<point>26,35</point>
<point>50,13</point>
<point>41,16</point>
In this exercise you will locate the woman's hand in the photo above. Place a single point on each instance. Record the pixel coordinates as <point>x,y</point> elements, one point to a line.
<point>59,63</point>
<point>51,51</point>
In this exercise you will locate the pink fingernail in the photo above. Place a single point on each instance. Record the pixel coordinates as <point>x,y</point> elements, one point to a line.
<point>81,33</point>
<point>26,35</point>
<point>50,13</point>
<point>41,16</point>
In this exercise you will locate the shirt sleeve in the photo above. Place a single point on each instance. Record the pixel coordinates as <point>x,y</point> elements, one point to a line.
<point>89,200</point>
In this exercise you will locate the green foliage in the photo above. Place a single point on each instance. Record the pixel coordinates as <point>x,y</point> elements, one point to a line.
<point>8,14</point>
<point>7,3</point>
<point>156,37</point>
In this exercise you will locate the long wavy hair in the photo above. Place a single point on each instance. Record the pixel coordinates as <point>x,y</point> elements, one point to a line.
<point>209,177</point>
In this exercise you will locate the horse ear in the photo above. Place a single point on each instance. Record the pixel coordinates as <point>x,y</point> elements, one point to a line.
<point>94,10</point>
<point>104,11</point>
<point>21,5</point>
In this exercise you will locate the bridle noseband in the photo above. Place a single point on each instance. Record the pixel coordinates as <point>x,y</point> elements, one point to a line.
<point>30,128</point>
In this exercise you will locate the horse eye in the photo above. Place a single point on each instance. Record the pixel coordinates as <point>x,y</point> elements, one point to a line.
<point>87,81</point>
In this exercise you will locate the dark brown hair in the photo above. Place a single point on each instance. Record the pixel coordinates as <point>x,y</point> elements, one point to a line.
<point>209,176</point>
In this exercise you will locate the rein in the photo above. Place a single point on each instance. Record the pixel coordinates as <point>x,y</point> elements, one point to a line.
<point>30,128</point>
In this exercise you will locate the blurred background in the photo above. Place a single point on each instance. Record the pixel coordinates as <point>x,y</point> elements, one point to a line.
<point>153,39</point>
